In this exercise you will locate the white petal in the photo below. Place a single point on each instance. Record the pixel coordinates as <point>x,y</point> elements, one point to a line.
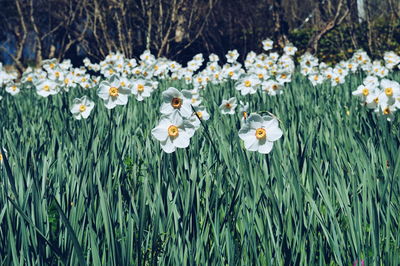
<point>265,147</point>
<point>167,146</point>
<point>182,141</point>
<point>274,133</point>
<point>160,133</point>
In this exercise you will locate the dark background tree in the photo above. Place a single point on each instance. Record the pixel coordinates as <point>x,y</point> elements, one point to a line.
<point>31,30</point>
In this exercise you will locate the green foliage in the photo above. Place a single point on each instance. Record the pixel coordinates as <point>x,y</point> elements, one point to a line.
<point>101,190</point>
<point>338,45</point>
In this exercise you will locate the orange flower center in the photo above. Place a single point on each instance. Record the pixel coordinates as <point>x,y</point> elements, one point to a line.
<point>176,103</point>
<point>140,87</point>
<point>261,133</point>
<point>113,91</point>
<point>173,131</point>
<point>389,91</point>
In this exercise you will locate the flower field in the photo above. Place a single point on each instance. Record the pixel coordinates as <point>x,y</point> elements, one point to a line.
<point>281,160</point>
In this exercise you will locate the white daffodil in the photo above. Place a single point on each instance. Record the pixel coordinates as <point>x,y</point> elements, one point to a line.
<point>82,107</point>
<point>192,96</point>
<point>272,87</point>
<point>290,49</point>
<point>141,89</point>
<point>267,44</point>
<point>259,133</point>
<point>213,58</point>
<point>232,56</point>
<point>173,102</point>
<point>13,89</point>
<point>173,132</point>
<point>391,90</point>
<point>112,93</point>
<point>200,114</point>
<point>228,106</point>
<point>248,84</point>
<point>47,87</point>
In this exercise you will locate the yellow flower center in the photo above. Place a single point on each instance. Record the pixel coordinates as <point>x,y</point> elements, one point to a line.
<point>199,114</point>
<point>389,91</point>
<point>137,72</point>
<point>260,76</point>
<point>110,71</point>
<point>14,88</point>
<point>82,108</point>
<point>283,76</point>
<point>29,79</point>
<point>386,111</point>
<point>247,83</point>
<point>123,84</point>
<point>1,157</point>
<point>365,92</point>
<point>274,87</point>
<point>173,131</point>
<point>261,133</point>
<point>46,87</point>
<point>376,100</point>
<point>52,65</point>
<point>57,74</point>
<point>156,67</point>
<point>176,103</point>
<point>231,73</point>
<point>194,100</point>
<point>113,91</point>
<point>316,77</point>
<point>337,79</point>
<point>228,105</point>
<point>66,81</point>
<point>329,76</point>
<point>140,87</point>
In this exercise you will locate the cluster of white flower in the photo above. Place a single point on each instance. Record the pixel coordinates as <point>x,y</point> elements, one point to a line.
<point>317,72</point>
<point>380,95</point>
<point>118,77</point>
<point>179,120</point>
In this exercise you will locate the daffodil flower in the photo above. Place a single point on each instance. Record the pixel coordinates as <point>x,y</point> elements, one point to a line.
<point>174,102</point>
<point>112,93</point>
<point>173,132</point>
<point>228,106</point>
<point>259,133</point>
<point>141,89</point>
<point>82,107</point>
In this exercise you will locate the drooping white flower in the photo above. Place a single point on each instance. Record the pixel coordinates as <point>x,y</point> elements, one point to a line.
<point>173,132</point>
<point>259,133</point>
<point>82,107</point>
